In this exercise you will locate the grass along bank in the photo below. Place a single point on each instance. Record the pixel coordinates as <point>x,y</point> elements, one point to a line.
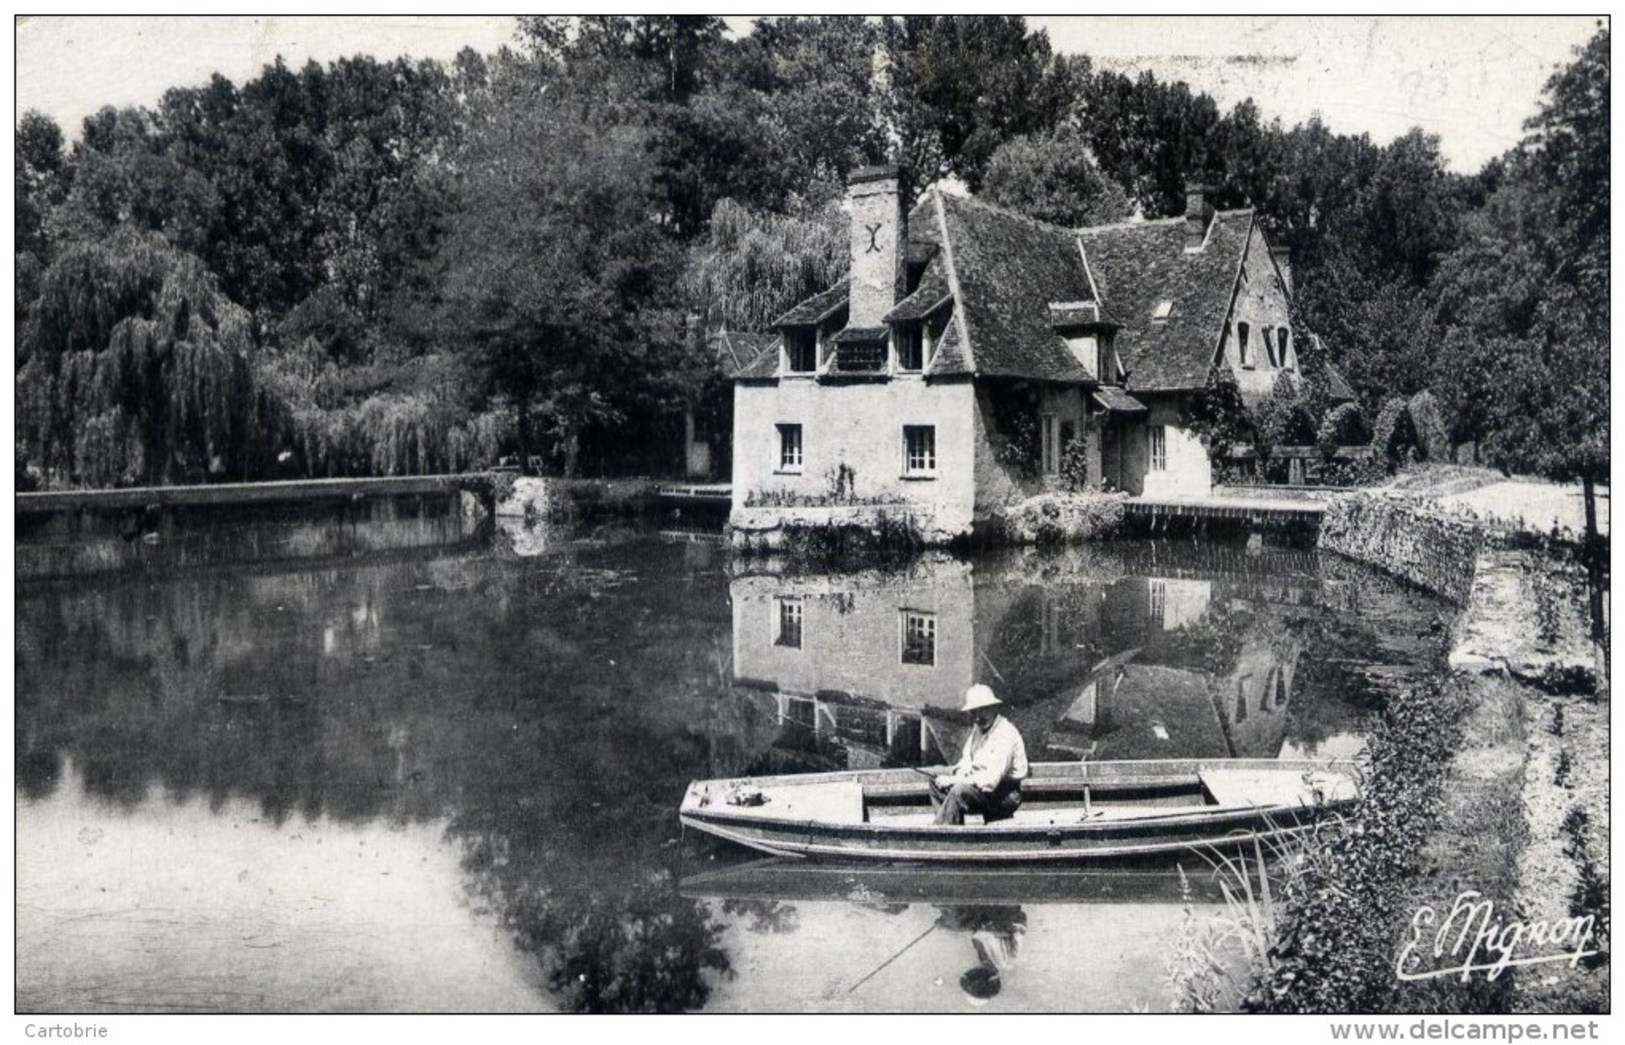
<point>1489,777</point>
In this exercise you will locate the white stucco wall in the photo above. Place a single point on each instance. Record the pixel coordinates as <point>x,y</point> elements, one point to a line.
<point>1189,473</point>
<point>860,425</point>
<point>851,636</point>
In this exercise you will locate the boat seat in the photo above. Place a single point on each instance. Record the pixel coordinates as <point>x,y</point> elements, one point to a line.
<point>1241,787</point>
<point>840,802</point>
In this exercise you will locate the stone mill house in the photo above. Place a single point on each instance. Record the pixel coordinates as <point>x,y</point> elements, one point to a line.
<point>973,357</point>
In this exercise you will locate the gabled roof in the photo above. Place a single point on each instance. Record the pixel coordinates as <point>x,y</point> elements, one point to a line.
<point>816,308</point>
<point>736,349</point>
<point>1014,281</point>
<point>1140,265</point>
<point>1336,385</point>
<point>932,291</point>
<point>1006,271</point>
<point>764,363</point>
<point>1143,265</point>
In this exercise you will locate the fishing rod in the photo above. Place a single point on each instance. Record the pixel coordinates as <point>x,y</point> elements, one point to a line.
<point>929,930</point>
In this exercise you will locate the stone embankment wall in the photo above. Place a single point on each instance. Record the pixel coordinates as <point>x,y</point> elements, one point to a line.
<point>1525,811</point>
<point>1432,547</point>
<point>780,528</point>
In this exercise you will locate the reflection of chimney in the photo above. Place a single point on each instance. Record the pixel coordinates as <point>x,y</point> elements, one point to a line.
<point>1198,211</point>
<point>1283,261</point>
<point>879,243</point>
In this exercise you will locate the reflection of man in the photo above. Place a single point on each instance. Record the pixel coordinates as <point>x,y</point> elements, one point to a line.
<point>995,932</point>
<point>988,776</point>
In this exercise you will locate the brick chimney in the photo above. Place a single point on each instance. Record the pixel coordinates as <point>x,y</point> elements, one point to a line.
<point>1283,261</point>
<point>879,243</point>
<point>1198,212</point>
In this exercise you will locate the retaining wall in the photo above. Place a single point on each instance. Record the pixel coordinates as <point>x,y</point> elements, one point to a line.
<point>1432,547</point>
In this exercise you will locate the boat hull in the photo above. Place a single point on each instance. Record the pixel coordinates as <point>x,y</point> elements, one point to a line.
<point>1150,809</point>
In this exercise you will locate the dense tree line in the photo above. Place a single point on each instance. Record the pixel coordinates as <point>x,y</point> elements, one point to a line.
<point>395,266</point>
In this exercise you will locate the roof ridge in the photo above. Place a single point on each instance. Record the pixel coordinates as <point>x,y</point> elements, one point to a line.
<point>1130,223</point>
<point>1235,290</point>
<point>953,280</point>
<point>1007,212</point>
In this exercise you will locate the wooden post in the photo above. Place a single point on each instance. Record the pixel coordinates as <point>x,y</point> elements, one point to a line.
<point>1593,557</point>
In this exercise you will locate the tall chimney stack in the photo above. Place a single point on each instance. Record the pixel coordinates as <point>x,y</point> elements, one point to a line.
<point>879,243</point>
<point>1198,212</point>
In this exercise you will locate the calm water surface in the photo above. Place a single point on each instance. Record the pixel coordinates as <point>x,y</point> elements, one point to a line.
<point>445,777</point>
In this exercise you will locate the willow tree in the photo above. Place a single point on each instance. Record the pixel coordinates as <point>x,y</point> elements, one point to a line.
<point>137,368</point>
<point>757,264</point>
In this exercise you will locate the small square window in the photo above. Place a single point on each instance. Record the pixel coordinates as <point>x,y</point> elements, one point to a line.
<point>919,450</point>
<point>1163,310</point>
<point>919,638</point>
<point>787,628</point>
<point>789,448</point>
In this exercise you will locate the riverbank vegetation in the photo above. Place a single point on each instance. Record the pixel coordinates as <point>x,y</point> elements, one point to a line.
<point>392,266</point>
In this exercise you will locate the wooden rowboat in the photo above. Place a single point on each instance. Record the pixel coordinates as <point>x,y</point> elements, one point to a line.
<point>1071,811</point>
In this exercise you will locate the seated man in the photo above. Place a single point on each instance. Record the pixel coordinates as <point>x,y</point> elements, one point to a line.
<point>988,776</point>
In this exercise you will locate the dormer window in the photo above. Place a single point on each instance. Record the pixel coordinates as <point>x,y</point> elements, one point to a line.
<point>800,350</point>
<point>1243,349</point>
<point>1163,310</point>
<point>910,339</point>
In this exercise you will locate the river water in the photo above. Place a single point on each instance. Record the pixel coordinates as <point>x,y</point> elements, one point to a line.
<point>437,769</point>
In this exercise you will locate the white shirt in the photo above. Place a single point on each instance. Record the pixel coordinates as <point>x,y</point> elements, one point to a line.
<point>999,754</point>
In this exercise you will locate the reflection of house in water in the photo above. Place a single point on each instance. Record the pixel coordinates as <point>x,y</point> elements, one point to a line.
<point>1140,711</point>
<point>1254,696</point>
<point>905,639</point>
<point>858,656</point>
<point>868,667</point>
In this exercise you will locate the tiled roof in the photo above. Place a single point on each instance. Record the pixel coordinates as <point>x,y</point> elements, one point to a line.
<point>816,308</point>
<point>1113,398</point>
<point>1073,313</point>
<point>851,334</point>
<point>932,291</point>
<point>735,349</point>
<point>1336,385</point>
<point>1014,280</point>
<point>1007,270</point>
<point>949,357</point>
<point>1140,265</point>
<point>764,365</point>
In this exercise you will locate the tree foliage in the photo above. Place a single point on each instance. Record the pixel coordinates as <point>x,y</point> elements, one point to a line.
<point>435,263</point>
<point>554,268</point>
<point>138,368</point>
<point>1051,177</point>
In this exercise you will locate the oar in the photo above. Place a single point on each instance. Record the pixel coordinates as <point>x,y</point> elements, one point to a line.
<point>893,958</point>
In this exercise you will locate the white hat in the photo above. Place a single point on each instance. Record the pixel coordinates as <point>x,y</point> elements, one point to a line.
<point>979,696</point>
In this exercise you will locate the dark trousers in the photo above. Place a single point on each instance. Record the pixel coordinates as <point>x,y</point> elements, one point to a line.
<point>954,802</point>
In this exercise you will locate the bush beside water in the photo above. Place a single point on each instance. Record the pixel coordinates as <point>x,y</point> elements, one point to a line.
<point>1056,518</point>
<point>1346,912</point>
